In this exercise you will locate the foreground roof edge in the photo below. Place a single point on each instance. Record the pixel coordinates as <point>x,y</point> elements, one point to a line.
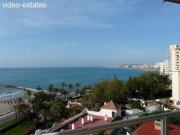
<point>175,1</point>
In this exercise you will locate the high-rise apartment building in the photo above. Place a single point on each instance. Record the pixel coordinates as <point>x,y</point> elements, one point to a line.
<point>174,69</point>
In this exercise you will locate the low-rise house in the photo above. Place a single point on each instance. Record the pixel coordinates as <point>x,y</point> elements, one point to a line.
<point>133,111</point>
<point>75,103</point>
<point>108,113</point>
<point>152,105</point>
<point>110,109</point>
<point>169,107</point>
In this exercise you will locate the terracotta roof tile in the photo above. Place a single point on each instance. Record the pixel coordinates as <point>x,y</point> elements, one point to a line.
<point>111,106</point>
<point>148,127</point>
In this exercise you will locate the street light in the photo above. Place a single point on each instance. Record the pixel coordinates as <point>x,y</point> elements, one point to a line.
<point>175,1</point>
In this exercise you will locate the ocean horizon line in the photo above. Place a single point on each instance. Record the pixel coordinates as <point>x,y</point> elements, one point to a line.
<point>56,67</point>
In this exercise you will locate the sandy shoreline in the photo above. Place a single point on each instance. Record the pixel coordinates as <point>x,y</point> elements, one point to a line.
<point>5,108</point>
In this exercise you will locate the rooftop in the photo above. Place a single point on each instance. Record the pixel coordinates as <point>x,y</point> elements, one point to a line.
<point>111,106</point>
<point>148,127</point>
<point>88,118</point>
<point>97,120</point>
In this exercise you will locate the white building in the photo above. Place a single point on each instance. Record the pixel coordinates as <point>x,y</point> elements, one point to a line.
<point>163,67</point>
<point>110,109</point>
<point>152,106</point>
<point>174,64</point>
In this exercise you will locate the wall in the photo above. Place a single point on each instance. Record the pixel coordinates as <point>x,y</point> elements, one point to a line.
<point>152,108</point>
<point>107,112</point>
<point>175,86</point>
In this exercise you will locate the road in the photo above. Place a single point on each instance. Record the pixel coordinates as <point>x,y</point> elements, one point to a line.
<point>7,117</point>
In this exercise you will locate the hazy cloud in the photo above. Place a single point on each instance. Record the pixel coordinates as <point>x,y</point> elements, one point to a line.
<point>80,13</point>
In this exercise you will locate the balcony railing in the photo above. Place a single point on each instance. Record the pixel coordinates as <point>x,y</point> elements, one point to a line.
<point>93,130</point>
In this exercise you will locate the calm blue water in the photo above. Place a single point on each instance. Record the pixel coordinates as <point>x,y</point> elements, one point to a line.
<point>33,77</point>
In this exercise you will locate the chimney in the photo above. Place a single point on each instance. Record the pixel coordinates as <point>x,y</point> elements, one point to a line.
<point>157,125</point>
<point>73,126</point>
<point>104,103</point>
<point>88,117</point>
<point>105,117</point>
<point>82,121</point>
<point>91,117</point>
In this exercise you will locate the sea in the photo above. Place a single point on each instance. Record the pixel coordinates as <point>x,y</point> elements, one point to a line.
<point>42,77</point>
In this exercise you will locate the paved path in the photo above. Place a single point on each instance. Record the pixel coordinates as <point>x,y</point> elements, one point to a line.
<point>7,117</point>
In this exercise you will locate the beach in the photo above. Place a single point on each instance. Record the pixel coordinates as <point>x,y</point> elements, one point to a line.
<point>6,112</point>
<point>4,108</point>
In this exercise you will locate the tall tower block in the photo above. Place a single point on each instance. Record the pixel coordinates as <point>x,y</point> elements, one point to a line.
<point>174,67</point>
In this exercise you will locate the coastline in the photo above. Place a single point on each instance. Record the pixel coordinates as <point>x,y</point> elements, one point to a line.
<point>6,108</point>
<point>144,69</point>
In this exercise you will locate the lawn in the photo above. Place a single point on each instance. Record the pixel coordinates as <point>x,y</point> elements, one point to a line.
<point>6,123</point>
<point>19,129</point>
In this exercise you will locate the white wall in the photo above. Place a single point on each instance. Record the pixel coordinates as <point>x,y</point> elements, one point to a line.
<point>152,108</point>
<point>107,112</point>
<point>176,86</point>
<point>94,113</point>
<point>133,111</point>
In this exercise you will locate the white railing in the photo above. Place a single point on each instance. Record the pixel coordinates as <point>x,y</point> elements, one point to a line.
<point>120,124</point>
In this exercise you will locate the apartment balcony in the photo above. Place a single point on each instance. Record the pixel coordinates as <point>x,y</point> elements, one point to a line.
<point>94,130</point>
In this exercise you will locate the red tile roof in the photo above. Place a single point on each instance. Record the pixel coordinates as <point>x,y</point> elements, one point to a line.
<point>148,128</point>
<point>111,106</point>
<point>97,120</point>
<point>151,102</point>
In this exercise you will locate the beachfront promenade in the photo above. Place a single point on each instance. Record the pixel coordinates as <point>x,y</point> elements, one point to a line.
<point>27,89</point>
<point>20,88</point>
<point>6,105</point>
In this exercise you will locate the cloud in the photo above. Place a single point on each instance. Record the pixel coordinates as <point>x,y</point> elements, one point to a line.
<point>78,13</point>
<point>5,32</point>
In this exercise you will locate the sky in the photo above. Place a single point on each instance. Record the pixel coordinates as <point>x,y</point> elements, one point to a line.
<point>81,33</point>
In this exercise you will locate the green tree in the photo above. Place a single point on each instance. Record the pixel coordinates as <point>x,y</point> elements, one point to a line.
<point>58,109</point>
<point>63,85</point>
<point>23,111</point>
<point>150,85</point>
<point>40,102</point>
<point>50,89</point>
<point>105,91</point>
<point>90,101</point>
<point>63,92</point>
<point>28,94</point>
<point>70,86</point>
<point>77,85</point>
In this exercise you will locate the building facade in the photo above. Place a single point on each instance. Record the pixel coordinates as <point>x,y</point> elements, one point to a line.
<point>174,69</point>
<point>163,67</point>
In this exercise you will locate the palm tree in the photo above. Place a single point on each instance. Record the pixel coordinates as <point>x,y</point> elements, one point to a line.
<point>22,111</point>
<point>28,94</point>
<point>63,91</point>
<point>56,90</point>
<point>62,88</point>
<point>58,109</point>
<point>70,86</point>
<point>63,85</point>
<point>50,89</point>
<point>77,88</point>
